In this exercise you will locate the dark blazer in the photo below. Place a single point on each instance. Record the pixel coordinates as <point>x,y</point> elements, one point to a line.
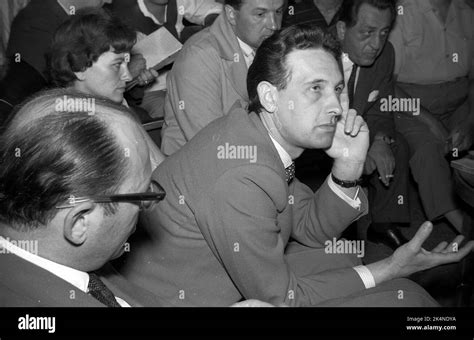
<point>32,31</point>
<point>376,82</point>
<point>220,235</point>
<point>23,284</point>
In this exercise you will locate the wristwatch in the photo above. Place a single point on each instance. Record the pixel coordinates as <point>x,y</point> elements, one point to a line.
<point>346,184</point>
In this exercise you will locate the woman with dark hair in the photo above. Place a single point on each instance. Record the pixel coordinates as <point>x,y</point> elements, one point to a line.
<point>90,53</point>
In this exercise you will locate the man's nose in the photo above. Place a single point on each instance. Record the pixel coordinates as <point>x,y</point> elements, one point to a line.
<point>126,76</point>
<point>375,42</point>
<point>334,106</point>
<point>273,22</point>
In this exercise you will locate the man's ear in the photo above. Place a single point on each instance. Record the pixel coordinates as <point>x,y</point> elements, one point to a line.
<point>267,93</point>
<point>78,222</point>
<point>231,14</point>
<point>341,30</point>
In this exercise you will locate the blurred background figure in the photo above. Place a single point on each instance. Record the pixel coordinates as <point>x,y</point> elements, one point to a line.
<point>434,44</point>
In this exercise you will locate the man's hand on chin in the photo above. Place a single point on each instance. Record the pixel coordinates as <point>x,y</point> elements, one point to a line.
<point>350,144</point>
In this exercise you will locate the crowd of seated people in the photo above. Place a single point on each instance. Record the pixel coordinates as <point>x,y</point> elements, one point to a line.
<point>259,89</point>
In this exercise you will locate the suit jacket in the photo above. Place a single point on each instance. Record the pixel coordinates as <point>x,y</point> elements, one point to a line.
<point>220,234</point>
<point>207,78</point>
<point>33,29</point>
<point>376,82</point>
<point>23,284</point>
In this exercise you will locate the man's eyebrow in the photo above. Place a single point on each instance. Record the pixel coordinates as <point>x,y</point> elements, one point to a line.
<point>316,81</point>
<point>322,81</point>
<point>118,58</point>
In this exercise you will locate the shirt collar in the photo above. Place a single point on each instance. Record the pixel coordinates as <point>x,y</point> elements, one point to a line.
<point>346,63</point>
<point>284,156</point>
<point>248,51</point>
<point>75,277</point>
<point>148,14</point>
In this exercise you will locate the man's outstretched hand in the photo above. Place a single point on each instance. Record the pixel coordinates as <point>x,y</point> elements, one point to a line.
<point>412,257</point>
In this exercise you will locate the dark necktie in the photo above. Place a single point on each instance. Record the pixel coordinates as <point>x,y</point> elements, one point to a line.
<point>100,291</point>
<point>290,172</point>
<point>350,86</point>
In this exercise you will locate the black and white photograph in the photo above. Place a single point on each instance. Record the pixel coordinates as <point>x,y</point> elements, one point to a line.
<point>287,167</point>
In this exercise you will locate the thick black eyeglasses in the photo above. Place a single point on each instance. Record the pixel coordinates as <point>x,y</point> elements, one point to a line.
<point>145,200</point>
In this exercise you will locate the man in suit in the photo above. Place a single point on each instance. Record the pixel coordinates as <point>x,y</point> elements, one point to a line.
<point>59,164</point>
<point>236,224</point>
<point>209,74</point>
<point>368,63</point>
<point>58,225</point>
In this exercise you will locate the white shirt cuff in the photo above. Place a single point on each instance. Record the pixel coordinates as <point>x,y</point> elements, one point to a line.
<point>353,202</point>
<point>366,276</point>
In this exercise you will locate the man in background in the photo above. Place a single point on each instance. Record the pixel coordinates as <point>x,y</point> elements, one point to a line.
<point>209,75</point>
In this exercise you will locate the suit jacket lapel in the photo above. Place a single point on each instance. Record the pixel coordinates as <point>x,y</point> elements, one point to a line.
<point>363,88</point>
<point>229,49</point>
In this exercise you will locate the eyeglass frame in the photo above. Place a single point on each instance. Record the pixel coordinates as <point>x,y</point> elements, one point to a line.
<point>134,198</point>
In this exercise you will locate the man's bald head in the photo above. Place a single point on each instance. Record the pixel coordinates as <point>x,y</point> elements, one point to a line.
<point>54,147</point>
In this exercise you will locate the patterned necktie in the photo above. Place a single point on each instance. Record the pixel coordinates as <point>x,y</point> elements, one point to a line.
<point>290,172</point>
<point>350,86</point>
<point>100,291</point>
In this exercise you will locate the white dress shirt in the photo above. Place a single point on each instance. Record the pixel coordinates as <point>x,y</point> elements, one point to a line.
<point>77,278</point>
<point>247,51</point>
<point>364,272</point>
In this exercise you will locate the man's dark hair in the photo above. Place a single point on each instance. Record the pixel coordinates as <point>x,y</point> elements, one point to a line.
<point>54,155</point>
<point>80,41</point>
<point>270,63</point>
<point>235,3</point>
<point>350,9</point>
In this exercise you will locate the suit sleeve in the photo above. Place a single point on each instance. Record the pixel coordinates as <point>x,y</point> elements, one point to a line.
<point>239,222</point>
<point>314,217</point>
<point>194,90</point>
<point>382,121</point>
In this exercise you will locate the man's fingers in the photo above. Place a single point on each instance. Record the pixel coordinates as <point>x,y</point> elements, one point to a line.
<point>454,245</point>
<point>349,123</point>
<point>440,247</point>
<point>458,256</point>
<point>420,237</point>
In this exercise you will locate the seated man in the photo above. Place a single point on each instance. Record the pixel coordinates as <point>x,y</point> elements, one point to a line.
<point>57,171</point>
<point>209,73</point>
<point>367,63</point>
<point>236,224</point>
<point>434,67</point>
